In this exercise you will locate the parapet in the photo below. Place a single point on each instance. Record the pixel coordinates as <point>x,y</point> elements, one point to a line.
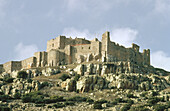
<point>135,47</point>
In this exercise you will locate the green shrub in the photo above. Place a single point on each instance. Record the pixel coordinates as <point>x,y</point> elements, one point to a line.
<point>114,102</point>
<point>131,96</point>
<point>71,103</point>
<point>77,99</point>
<point>97,105</point>
<point>126,107</point>
<point>160,107</point>
<point>57,98</point>
<point>4,98</point>
<point>153,100</point>
<point>130,101</point>
<point>39,105</point>
<point>119,100</point>
<point>17,95</point>
<point>3,107</point>
<point>89,100</point>
<point>101,101</point>
<point>154,93</point>
<point>64,77</point>
<point>29,80</point>
<point>22,74</point>
<point>168,104</point>
<point>139,108</point>
<point>110,104</point>
<point>34,97</point>
<point>26,99</point>
<point>59,105</point>
<point>77,76</point>
<point>8,79</point>
<point>49,106</point>
<point>44,84</point>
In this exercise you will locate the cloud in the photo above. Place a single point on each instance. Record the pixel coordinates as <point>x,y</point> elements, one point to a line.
<point>161,60</point>
<point>72,32</point>
<point>24,51</point>
<point>124,36</point>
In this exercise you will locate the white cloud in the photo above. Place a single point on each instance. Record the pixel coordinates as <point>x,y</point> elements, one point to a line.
<point>124,36</point>
<point>161,60</point>
<point>24,51</point>
<point>72,32</point>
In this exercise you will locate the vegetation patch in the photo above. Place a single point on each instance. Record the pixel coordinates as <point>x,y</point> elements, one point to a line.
<point>64,77</point>
<point>4,98</point>
<point>22,74</point>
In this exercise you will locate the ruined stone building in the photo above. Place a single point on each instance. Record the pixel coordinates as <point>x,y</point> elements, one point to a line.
<point>62,50</point>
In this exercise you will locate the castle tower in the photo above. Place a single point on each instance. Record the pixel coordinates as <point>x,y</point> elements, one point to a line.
<point>146,56</point>
<point>105,43</point>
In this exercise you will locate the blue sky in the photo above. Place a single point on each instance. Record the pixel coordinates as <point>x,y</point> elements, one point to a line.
<point>26,25</point>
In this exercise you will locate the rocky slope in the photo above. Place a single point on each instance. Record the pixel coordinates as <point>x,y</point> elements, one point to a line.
<point>88,86</point>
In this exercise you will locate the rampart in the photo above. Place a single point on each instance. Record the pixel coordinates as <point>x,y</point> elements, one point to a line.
<point>12,66</point>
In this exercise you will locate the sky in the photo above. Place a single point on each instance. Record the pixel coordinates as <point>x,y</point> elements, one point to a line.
<point>26,25</point>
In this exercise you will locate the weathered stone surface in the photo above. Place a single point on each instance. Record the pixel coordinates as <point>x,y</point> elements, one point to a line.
<point>88,83</point>
<point>21,86</point>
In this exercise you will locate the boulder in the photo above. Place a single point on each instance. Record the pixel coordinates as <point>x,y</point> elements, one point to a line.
<point>90,82</point>
<point>80,69</point>
<point>69,85</point>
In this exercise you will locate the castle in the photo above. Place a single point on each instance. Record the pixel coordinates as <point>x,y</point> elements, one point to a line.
<point>62,51</point>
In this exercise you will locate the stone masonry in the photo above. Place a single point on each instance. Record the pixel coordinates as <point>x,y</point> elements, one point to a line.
<point>62,51</point>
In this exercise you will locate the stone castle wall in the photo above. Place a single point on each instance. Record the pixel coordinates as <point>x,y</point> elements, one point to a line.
<point>113,52</point>
<point>28,63</point>
<point>62,50</point>
<point>61,42</point>
<point>12,66</point>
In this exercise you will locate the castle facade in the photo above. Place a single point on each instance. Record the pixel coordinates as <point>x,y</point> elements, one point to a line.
<point>62,51</point>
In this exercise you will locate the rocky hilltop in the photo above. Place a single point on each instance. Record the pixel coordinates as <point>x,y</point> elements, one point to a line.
<point>82,75</point>
<point>82,87</point>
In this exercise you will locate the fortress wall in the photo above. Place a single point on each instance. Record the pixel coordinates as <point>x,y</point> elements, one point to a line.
<point>38,56</point>
<point>16,65</point>
<point>84,50</point>
<point>55,43</point>
<point>115,52</point>
<point>146,56</point>
<point>41,58</point>
<point>96,47</point>
<point>61,42</point>
<point>119,52</point>
<point>68,54</point>
<point>125,54</point>
<point>80,50</point>
<point>53,57</point>
<point>11,66</point>
<point>29,63</point>
<point>7,66</point>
